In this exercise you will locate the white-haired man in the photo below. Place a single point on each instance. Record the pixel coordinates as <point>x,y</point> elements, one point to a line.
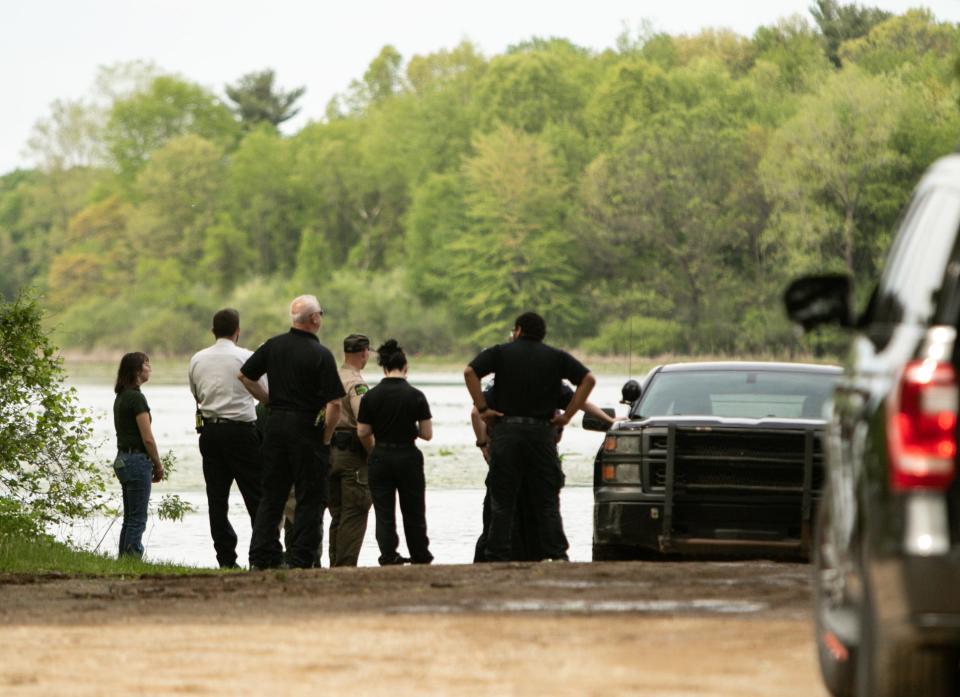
<point>304,408</point>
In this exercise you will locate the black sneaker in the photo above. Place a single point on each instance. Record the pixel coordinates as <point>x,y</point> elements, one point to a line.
<point>395,560</point>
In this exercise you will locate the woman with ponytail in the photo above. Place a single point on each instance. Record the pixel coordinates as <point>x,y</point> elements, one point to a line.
<point>396,414</point>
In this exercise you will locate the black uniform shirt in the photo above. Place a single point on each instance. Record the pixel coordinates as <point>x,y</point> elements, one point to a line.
<point>392,409</point>
<point>563,399</point>
<point>129,404</point>
<point>528,373</point>
<point>301,371</point>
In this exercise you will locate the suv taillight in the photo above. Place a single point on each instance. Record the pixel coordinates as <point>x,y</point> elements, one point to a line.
<point>921,427</point>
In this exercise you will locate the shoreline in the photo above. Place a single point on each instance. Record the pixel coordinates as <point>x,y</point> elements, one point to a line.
<point>100,365</point>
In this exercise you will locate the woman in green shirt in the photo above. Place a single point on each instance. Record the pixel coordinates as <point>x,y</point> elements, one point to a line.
<point>138,461</point>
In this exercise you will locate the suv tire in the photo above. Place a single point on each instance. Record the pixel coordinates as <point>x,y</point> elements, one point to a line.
<point>890,668</point>
<point>837,658</point>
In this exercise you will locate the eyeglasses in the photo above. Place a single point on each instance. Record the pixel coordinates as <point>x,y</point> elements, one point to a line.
<point>318,312</point>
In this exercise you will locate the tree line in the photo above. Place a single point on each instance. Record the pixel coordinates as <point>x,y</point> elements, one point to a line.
<point>655,196</point>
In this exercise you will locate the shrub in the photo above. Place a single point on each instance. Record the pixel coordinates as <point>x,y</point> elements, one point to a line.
<point>47,474</point>
<point>638,335</point>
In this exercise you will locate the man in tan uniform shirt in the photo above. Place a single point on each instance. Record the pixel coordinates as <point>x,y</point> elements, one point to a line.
<point>349,493</point>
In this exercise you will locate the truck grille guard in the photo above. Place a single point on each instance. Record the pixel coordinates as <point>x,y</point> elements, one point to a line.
<point>767,461</point>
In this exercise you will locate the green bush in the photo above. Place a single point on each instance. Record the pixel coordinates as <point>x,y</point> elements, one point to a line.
<point>381,305</point>
<point>47,473</point>
<point>638,335</point>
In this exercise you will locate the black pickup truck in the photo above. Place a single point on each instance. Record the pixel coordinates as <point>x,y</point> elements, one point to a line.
<point>714,458</point>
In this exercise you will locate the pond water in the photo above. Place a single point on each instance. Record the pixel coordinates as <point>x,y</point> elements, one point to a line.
<point>454,472</point>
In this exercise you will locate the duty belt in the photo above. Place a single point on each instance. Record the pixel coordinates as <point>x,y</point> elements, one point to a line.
<point>346,439</point>
<point>221,420</point>
<point>392,446</point>
<point>523,420</point>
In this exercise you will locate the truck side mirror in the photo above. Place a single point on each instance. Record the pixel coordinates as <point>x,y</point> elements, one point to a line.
<point>630,392</point>
<point>815,300</point>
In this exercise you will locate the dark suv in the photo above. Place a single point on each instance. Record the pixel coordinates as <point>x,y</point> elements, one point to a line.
<point>887,546</point>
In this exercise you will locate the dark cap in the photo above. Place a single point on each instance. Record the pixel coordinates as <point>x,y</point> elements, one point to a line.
<point>355,343</point>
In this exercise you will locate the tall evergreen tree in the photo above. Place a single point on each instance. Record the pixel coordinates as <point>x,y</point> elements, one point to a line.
<point>839,23</point>
<point>259,101</point>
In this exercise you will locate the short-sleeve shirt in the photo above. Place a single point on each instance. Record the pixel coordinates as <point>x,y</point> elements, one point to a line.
<point>301,371</point>
<point>126,407</point>
<point>355,387</point>
<point>563,399</point>
<point>212,376</point>
<point>393,409</point>
<point>529,374</point>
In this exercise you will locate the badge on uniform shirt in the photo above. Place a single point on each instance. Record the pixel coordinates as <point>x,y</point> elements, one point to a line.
<point>361,390</point>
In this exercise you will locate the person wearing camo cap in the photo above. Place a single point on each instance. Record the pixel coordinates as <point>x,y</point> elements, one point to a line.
<point>349,491</point>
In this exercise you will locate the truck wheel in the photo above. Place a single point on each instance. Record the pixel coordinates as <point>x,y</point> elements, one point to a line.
<point>890,668</point>
<point>830,605</point>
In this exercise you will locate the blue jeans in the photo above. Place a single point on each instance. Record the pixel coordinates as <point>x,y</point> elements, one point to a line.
<point>135,472</point>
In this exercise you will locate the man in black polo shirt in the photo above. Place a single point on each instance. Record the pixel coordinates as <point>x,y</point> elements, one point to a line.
<point>304,400</point>
<point>523,448</point>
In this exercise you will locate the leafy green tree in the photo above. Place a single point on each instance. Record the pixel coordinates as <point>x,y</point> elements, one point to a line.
<point>631,89</point>
<point>170,107</point>
<point>47,475</point>
<point>328,181</point>
<point>670,198</point>
<point>839,23</point>
<point>437,217</point>
<point>179,190</point>
<point>455,69</point>
<point>721,45</point>
<point>821,165</point>
<point>18,263</point>
<point>258,101</point>
<point>796,50</point>
<point>313,260</point>
<point>535,84</point>
<point>260,199</point>
<point>382,80</point>
<point>516,253</point>
<point>227,254</point>
<point>69,137</point>
<point>914,40</point>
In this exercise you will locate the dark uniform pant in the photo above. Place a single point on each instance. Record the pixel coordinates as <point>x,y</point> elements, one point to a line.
<point>231,452</point>
<point>398,473</point>
<point>524,455</point>
<point>349,505</point>
<point>293,454</point>
<point>524,538</point>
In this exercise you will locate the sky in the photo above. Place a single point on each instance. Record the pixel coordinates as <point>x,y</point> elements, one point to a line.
<point>51,49</point>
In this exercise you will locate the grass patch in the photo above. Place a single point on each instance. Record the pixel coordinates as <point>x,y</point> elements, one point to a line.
<point>20,554</point>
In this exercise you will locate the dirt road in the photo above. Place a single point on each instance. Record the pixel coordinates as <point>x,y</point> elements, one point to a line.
<point>670,629</point>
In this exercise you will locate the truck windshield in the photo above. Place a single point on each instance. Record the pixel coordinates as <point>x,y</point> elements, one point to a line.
<point>752,394</point>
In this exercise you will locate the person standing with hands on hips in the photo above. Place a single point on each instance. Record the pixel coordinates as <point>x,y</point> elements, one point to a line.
<point>395,413</point>
<point>304,400</point>
<point>138,461</point>
<point>523,446</point>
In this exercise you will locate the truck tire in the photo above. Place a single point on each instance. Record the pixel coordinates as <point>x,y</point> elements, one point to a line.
<point>836,656</point>
<point>890,668</point>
